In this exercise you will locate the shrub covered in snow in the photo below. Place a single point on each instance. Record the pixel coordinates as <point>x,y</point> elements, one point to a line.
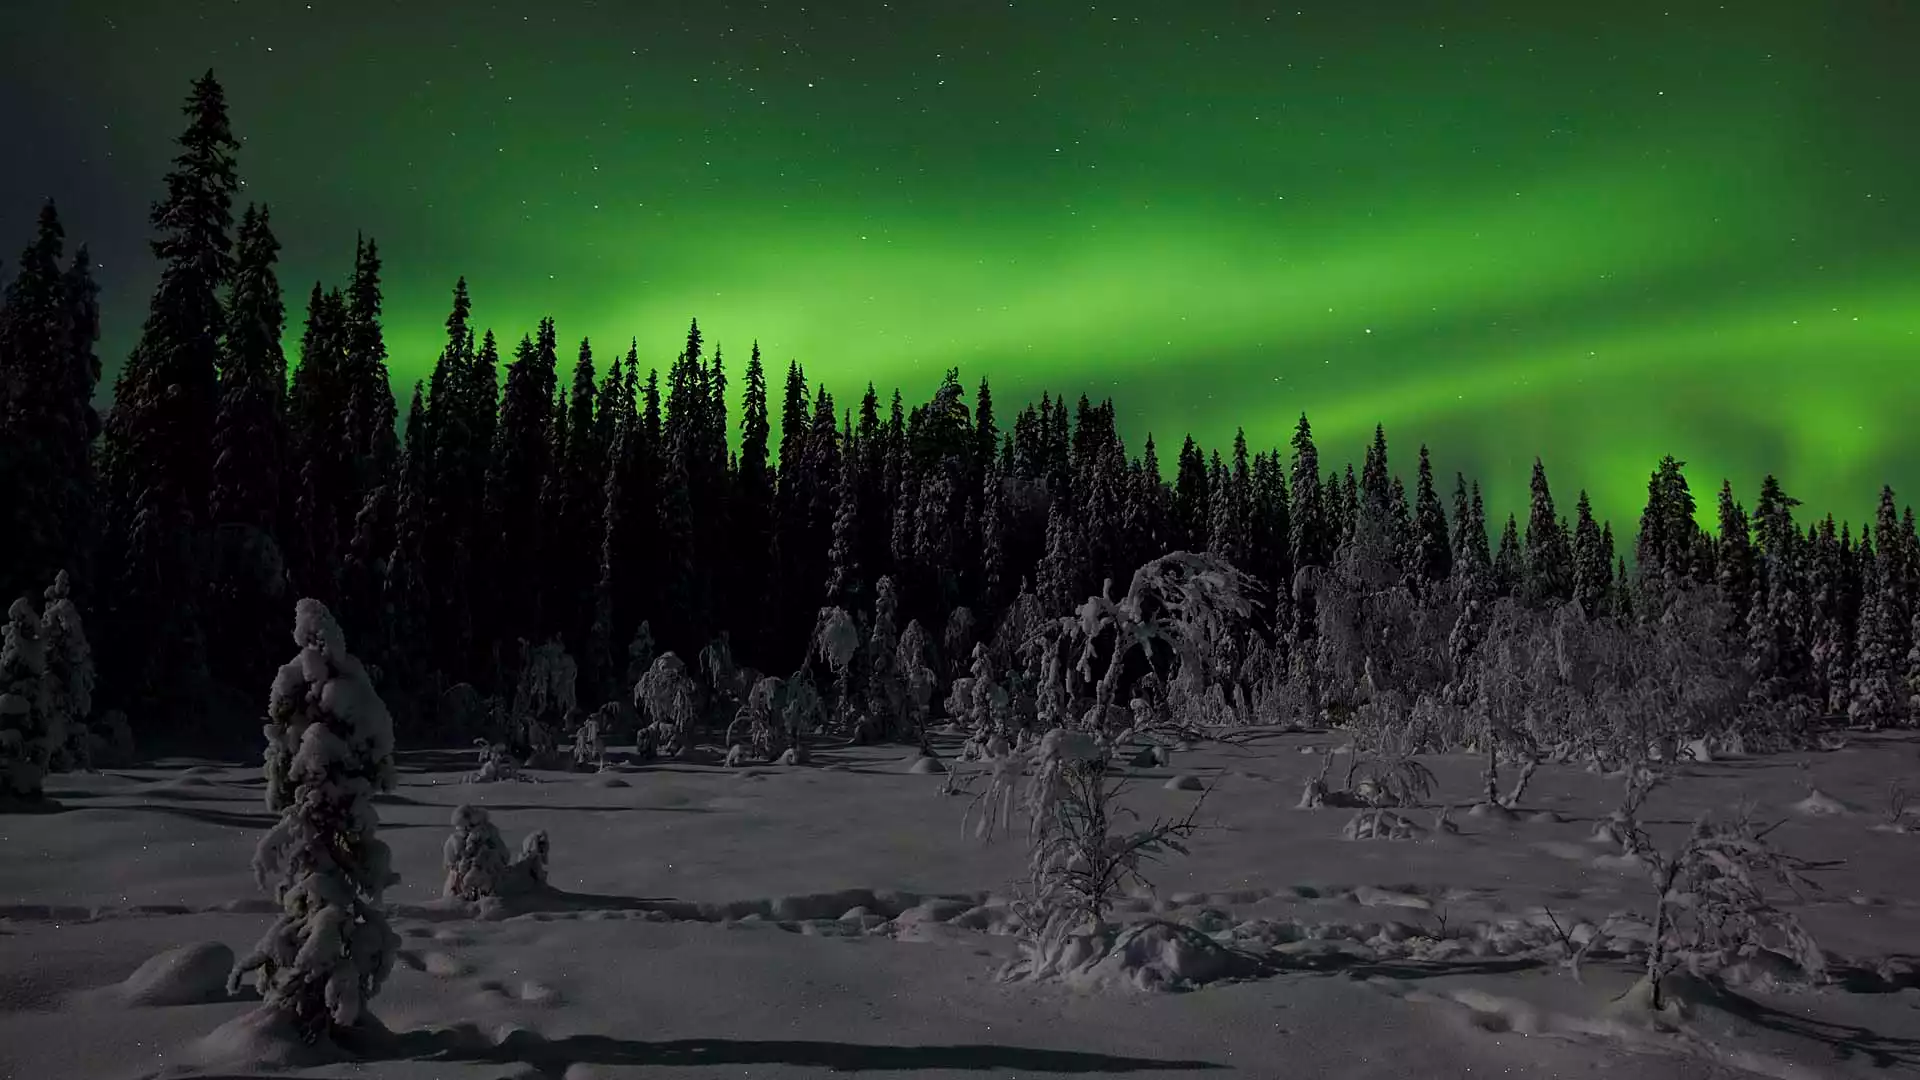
<point>329,749</point>
<point>668,698</point>
<point>1080,856</point>
<point>589,745</point>
<point>1711,908</point>
<point>496,763</point>
<point>542,698</point>
<point>478,865</point>
<point>30,728</point>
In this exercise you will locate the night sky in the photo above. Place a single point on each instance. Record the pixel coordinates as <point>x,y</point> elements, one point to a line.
<point>1597,232</point>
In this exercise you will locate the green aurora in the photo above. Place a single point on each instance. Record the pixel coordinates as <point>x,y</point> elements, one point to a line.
<point>1596,234</point>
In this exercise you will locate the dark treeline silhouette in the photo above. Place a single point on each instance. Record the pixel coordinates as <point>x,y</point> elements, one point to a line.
<point>612,515</point>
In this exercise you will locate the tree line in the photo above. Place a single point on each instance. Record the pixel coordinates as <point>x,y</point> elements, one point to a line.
<point>614,515</point>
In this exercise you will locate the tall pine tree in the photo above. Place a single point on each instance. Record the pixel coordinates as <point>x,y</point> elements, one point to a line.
<point>159,461</point>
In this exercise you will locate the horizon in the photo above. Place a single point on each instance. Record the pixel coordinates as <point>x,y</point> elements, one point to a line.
<point>1538,217</point>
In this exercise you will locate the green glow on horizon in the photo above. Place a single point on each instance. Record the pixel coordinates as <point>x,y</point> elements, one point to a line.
<point>1580,234</point>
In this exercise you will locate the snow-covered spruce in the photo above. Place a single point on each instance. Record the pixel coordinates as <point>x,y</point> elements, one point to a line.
<point>29,727</point>
<point>329,749</point>
<point>477,862</point>
<point>70,679</point>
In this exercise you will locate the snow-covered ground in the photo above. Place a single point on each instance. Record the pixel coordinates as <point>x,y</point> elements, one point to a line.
<point>806,921</point>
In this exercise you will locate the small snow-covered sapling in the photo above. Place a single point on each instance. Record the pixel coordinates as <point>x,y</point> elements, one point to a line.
<point>476,860</point>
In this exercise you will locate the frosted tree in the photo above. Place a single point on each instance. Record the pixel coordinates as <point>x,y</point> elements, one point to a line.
<point>886,693</point>
<point>69,674</point>
<point>916,675</point>
<point>1878,698</point>
<point>329,749</point>
<point>475,856</point>
<point>836,639</point>
<point>477,863</point>
<point>1913,673</point>
<point>547,692</point>
<point>1181,604</point>
<point>753,725</point>
<point>589,744</point>
<point>666,695</point>
<point>30,730</point>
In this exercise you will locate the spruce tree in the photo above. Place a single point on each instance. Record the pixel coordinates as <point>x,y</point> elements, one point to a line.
<point>47,326</point>
<point>1733,562</point>
<point>513,490</point>
<point>986,432</point>
<point>1592,563</point>
<point>1664,548</point>
<point>370,405</point>
<point>996,576</point>
<point>406,602</point>
<point>753,514</point>
<point>158,458</point>
<point>1310,543</point>
<point>247,584</point>
<point>318,413</point>
<point>1830,649</point>
<point>1549,558</point>
<point>249,435</point>
<point>1191,507</point>
<point>1470,553</point>
<point>1510,562</point>
<point>1269,534</point>
<point>73,440</point>
<point>1433,548</point>
<point>1879,675</point>
<point>844,585</point>
<point>1897,569</point>
<point>1777,630</point>
<point>1058,575</point>
<point>453,581</point>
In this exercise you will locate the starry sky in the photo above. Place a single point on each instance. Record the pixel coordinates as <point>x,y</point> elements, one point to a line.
<point>1596,232</point>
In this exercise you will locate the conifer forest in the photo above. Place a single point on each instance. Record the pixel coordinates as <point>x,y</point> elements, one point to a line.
<point>914,723</point>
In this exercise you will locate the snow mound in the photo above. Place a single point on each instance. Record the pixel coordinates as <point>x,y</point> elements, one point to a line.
<point>1150,956</point>
<point>262,1039</point>
<point>608,780</point>
<point>1381,825</point>
<point>187,975</point>
<point>1821,804</point>
<point>444,965</point>
<point>1370,896</point>
<point>923,765</point>
<point>1185,782</point>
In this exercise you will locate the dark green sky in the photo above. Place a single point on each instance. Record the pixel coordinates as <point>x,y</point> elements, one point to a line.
<point>1598,232</point>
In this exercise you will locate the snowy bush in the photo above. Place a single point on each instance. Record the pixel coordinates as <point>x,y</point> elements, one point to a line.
<point>329,749</point>
<point>667,697</point>
<point>754,725</point>
<point>589,747</point>
<point>542,698</point>
<point>496,764</point>
<point>30,731</point>
<point>1080,860</point>
<point>836,639</point>
<point>477,864</point>
<point>1711,911</point>
<point>801,713</point>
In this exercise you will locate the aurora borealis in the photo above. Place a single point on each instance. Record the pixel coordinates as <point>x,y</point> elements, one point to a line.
<point>1599,233</point>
